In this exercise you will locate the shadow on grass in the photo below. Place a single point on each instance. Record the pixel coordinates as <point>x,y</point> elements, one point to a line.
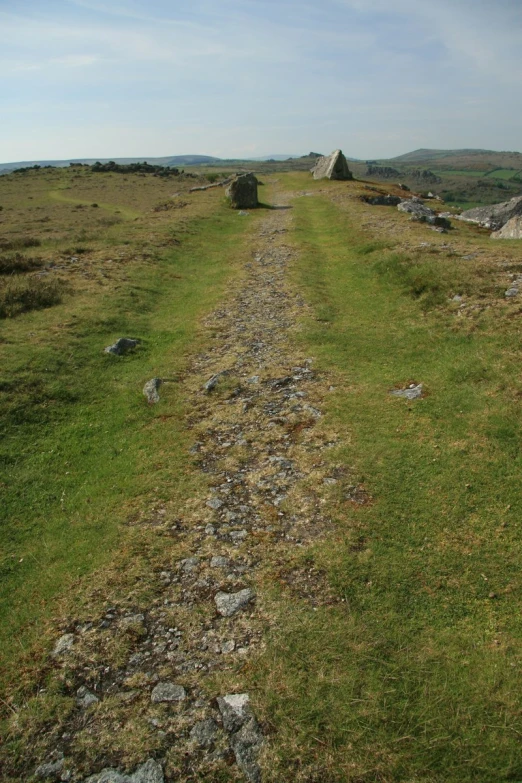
<point>273,206</point>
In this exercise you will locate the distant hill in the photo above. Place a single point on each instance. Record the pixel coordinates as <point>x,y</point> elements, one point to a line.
<point>473,159</point>
<point>175,160</point>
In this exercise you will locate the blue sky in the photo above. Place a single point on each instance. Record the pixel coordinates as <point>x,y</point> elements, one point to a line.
<point>240,78</point>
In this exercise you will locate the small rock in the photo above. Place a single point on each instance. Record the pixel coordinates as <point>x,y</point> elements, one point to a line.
<point>84,697</point>
<point>411,393</point>
<point>149,772</point>
<point>167,691</point>
<point>229,603</point>
<point>228,647</point>
<point>122,345</point>
<point>64,644</point>
<point>214,503</point>
<point>511,292</point>
<point>210,530</point>
<point>51,768</point>
<point>246,744</point>
<point>204,733</point>
<point>238,535</point>
<point>189,564</point>
<point>235,710</point>
<point>219,562</point>
<point>213,382</point>
<point>150,390</point>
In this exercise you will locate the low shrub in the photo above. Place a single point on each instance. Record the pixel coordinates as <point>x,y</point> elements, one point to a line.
<point>19,244</point>
<point>21,294</point>
<point>16,262</point>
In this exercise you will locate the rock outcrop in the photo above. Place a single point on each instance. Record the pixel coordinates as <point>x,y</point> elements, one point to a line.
<point>242,192</point>
<point>415,207</point>
<point>332,166</point>
<point>494,216</point>
<point>511,230</point>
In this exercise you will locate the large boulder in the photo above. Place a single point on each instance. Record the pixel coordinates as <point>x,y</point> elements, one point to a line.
<point>511,230</point>
<point>242,192</point>
<point>494,216</point>
<point>332,166</point>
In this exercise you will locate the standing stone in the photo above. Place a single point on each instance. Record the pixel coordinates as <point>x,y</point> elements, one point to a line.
<point>242,192</point>
<point>332,166</point>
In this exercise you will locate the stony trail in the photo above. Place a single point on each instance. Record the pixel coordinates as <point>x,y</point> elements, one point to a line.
<point>255,410</point>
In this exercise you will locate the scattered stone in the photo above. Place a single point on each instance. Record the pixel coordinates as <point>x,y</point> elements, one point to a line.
<point>235,710</point>
<point>122,345</point>
<point>242,192</point>
<point>189,564</point>
<point>149,772</point>
<point>413,392</point>
<point>229,603</point>
<point>511,292</point>
<point>85,698</point>
<point>238,535</point>
<point>494,216</point>
<point>246,744</point>
<point>211,384</point>
<point>332,166</point>
<point>205,733</point>
<point>214,503</point>
<point>415,207</point>
<point>210,530</point>
<point>150,390</point>
<point>51,768</point>
<point>167,691</point>
<point>64,644</point>
<point>511,230</point>
<point>219,562</point>
<point>134,623</point>
<point>382,201</point>
<point>228,647</point>
<point>243,213</point>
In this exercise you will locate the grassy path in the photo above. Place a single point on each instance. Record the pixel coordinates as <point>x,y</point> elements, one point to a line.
<point>372,542</point>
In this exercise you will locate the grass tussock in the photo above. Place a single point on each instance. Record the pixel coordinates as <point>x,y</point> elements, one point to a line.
<point>14,263</point>
<point>21,243</point>
<point>21,294</point>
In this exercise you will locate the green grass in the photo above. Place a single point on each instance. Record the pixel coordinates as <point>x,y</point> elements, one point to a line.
<point>416,676</point>
<point>81,451</point>
<point>503,174</point>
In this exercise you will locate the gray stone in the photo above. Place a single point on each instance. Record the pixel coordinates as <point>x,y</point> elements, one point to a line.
<point>416,208</point>
<point>511,230</point>
<point>122,345</point>
<point>413,392</point>
<point>511,292</point>
<point>189,564</point>
<point>238,535</point>
<point>64,644</point>
<point>332,166</point>
<point>149,772</point>
<point>382,200</point>
<point>84,698</point>
<point>214,503</point>
<point>246,744</point>
<point>242,192</point>
<point>204,732</point>
<point>219,562</point>
<point>228,647</point>
<point>51,768</point>
<point>167,691</point>
<point>229,603</point>
<point>211,384</point>
<point>235,710</point>
<point>150,390</point>
<point>494,216</point>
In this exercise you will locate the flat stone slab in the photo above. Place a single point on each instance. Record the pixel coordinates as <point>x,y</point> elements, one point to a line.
<point>167,691</point>
<point>229,603</point>
<point>149,772</point>
<point>413,392</point>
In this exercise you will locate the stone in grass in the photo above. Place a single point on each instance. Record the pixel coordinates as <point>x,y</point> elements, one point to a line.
<point>64,644</point>
<point>204,733</point>
<point>52,768</point>
<point>413,392</point>
<point>246,738</point>
<point>85,698</point>
<point>219,562</point>
<point>511,292</point>
<point>242,192</point>
<point>122,345</point>
<point>151,389</point>
<point>167,691</point>
<point>149,772</point>
<point>229,603</point>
